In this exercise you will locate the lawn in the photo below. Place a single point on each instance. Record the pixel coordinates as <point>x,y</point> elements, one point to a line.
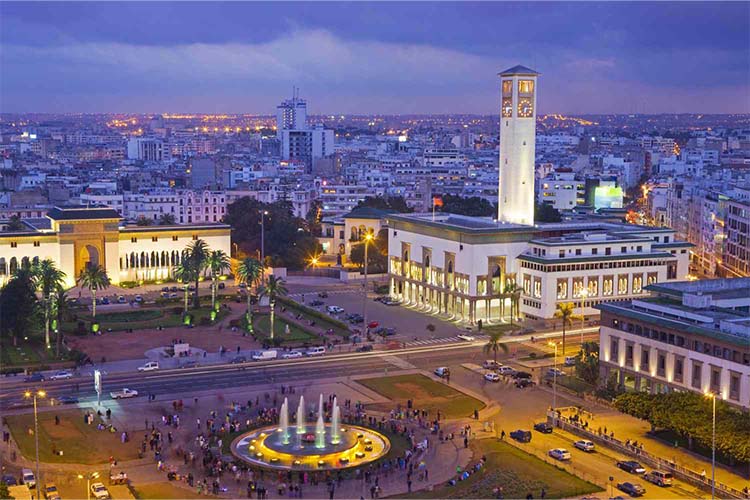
<point>517,472</point>
<point>320,318</point>
<point>28,352</point>
<point>80,443</point>
<point>139,319</point>
<point>425,394</point>
<point>296,336</point>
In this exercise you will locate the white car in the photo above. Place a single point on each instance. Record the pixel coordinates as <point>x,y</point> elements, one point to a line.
<point>148,367</point>
<point>584,445</point>
<point>505,370</point>
<point>468,338</point>
<point>138,298</point>
<point>492,377</point>
<point>292,355</point>
<point>121,299</point>
<point>124,394</point>
<point>61,375</point>
<point>442,371</point>
<point>491,364</point>
<point>335,309</point>
<point>99,491</point>
<point>559,454</point>
<point>555,372</point>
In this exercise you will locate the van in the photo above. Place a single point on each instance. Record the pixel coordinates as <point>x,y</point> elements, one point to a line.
<point>28,478</point>
<point>265,355</point>
<point>316,351</point>
<point>659,478</point>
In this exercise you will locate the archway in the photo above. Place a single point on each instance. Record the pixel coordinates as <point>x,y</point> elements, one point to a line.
<point>89,256</point>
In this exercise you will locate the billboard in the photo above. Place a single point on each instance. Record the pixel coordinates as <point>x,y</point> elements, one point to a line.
<point>607,197</point>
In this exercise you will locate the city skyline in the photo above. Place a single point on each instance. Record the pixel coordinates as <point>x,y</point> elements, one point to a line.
<point>361,58</point>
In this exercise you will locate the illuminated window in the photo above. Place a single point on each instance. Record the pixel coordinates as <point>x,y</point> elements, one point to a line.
<point>607,285</point>
<point>562,288</point>
<point>525,86</point>
<point>577,287</point>
<point>507,87</point>
<point>622,285</point>
<point>637,283</point>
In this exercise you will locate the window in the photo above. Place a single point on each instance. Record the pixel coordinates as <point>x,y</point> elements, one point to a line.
<point>715,379</point>
<point>525,86</point>
<point>507,87</point>
<point>651,278</point>
<point>577,287</point>
<point>629,355</point>
<point>578,251</point>
<point>639,248</point>
<point>622,284</point>
<point>593,287</point>
<point>13,244</point>
<point>133,240</point>
<point>661,364</point>
<point>623,249</point>
<point>614,349</point>
<point>175,238</point>
<point>696,379</point>
<point>562,253</point>
<point>537,288</point>
<point>734,385</point>
<point>637,283</point>
<point>608,285</point>
<point>644,359</point>
<point>594,251</point>
<point>195,237</point>
<point>562,288</point>
<point>678,363</point>
<point>607,251</point>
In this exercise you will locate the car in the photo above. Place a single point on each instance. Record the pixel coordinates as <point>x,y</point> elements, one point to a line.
<point>519,375</point>
<point>316,303</point>
<point>364,348</point>
<point>124,394</point>
<point>373,324</point>
<point>466,337</point>
<point>165,289</point>
<point>555,372</point>
<point>34,377</point>
<point>105,301</point>
<point>242,285</point>
<point>543,427</point>
<point>61,375</point>
<point>584,445</point>
<point>222,285</point>
<point>139,299</point>
<point>323,295</point>
<point>99,491</point>
<point>355,318</point>
<point>505,370</point>
<point>266,355</point>
<point>385,332</point>
<point>50,492</point>
<point>335,309</point>
<point>292,355</point>
<point>381,298</point>
<point>659,478</point>
<point>559,454</point>
<point>632,489</point>
<point>390,302</point>
<point>315,351</point>
<point>164,295</point>
<point>191,288</point>
<point>570,360</point>
<point>28,478</point>
<point>67,400</point>
<point>172,295</point>
<point>148,367</point>
<point>442,371</point>
<point>188,363</point>
<point>631,466</point>
<point>173,289</point>
<point>9,479</point>
<point>238,359</point>
<point>491,364</point>
<point>121,299</point>
<point>521,435</point>
<point>522,383</point>
<point>492,377</point>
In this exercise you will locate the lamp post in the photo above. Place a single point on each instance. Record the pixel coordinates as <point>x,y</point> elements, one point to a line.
<point>713,443</point>
<point>263,214</point>
<point>584,294</point>
<point>34,395</point>
<point>368,238</point>
<point>554,379</point>
<point>88,478</point>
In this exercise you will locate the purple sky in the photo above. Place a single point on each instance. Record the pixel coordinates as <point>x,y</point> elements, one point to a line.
<point>372,57</point>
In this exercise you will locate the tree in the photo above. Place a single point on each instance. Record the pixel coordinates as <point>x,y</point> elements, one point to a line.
<point>47,279</point>
<point>250,272</point>
<point>95,278</point>
<point>546,213</point>
<point>18,304</point>
<point>397,203</point>
<point>15,224</point>
<point>565,313</point>
<point>587,362</point>
<point>494,344</point>
<point>274,288</point>
<point>313,217</point>
<point>143,221</point>
<point>184,275</point>
<point>62,308</point>
<point>5,491</point>
<point>166,220</point>
<point>217,263</point>
<point>196,260</point>
<point>472,206</point>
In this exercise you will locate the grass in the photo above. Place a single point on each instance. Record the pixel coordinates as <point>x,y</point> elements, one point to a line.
<point>164,491</point>
<point>140,319</point>
<point>28,353</point>
<point>425,393</point>
<point>320,318</point>
<point>80,443</point>
<point>129,316</point>
<point>504,328</point>
<point>517,472</point>
<point>297,335</point>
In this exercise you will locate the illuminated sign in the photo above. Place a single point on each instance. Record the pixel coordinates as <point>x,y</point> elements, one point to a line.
<point>607,197</point>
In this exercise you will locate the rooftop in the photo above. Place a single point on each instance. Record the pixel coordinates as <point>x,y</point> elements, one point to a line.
<point>519,70</point>
<point>462,223</point>
<point>81,212</point>
<point>368,213</point>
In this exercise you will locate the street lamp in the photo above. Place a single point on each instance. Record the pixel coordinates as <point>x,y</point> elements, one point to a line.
<point>89,478</point>
<point>34,395</point>
<point>263,214</point>
<point>584,294</point>
<point>713,442</point>
<point>368,238</point>
<point>554,379</point>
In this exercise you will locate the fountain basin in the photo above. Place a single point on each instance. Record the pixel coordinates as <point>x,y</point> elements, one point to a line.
<point>263,447</point>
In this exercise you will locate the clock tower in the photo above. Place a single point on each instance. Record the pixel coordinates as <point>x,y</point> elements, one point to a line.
<point>517,145</point>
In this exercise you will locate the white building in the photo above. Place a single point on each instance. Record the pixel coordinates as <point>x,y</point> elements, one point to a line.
<point>149,149</point>
<point>185,205</point>
<point>297,139</point>
<point>562,191</point>
<point>517,145</point>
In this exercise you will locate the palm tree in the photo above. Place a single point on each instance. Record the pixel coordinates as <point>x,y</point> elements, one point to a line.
<point>94,277</point>
<point>515,294</point>
<point>272,289</point>
<point>62,306</point>
<point>47,279</point>
<point>565,313</point>
<point>184,275</point>
<point>249,272</point>
<point>217,263</point>
<point>197,256</point>
<point>494,344</point>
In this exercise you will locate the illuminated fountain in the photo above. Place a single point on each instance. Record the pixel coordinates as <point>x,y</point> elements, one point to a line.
<point>330,446</point>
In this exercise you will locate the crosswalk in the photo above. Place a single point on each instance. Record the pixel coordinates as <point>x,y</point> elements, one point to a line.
<point>314,295</point>
<point>444,340</point>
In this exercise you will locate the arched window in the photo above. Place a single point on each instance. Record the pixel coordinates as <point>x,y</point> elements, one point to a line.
<point>35,261</point>
<point>143,259</point>
<point>450,267</point>
<point>154,260</point>
<point>25,264</point>
<point>164,258</point>
<point>132,260</point>
<point>497,286</point>
<point>355,234</point>
<point>3,268</point>
<point>13,265</point>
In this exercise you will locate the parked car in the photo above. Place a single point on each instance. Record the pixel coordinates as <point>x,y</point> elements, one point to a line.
<point>124,394</point>
<point>467,338</point>
<point>335,309</point>
<point>139,299</point>
<point>222,285</point>
<point>659,478</point>
<point>491,364</point>
<point>632,489</point>
<point>323,295</point>
<point>555,372</point>
<point>364,348</point>
<point>355,318</point>
<point>28,478</point>
<point>50,492</point>
<point>172,295</point>
<point>522,383</point>
<point>265,355</point>
<point>381,298</point>
<point>105,301</point>
<point>188,363</point>
<point>67,400</point>
<point>165,289</point>
<point>385,332</point>
<point>373,324</point>
<point>543,427</point>
<point>584,445</point>
<point>238,359</point>
<point>173,289</point>
<point>316,351</point>
<point>390,302</point>
<point>570,360</point>
<point>316,303</point>
<point>61,375</point>
<point>34,377</point>
<point>492,377</point>
<point>242,285</point>
<point>519,375</point>
<point>292,355</point>
<point>148,367</point>
<point>442,371</point>
<point>521,436</point>
<point>559,454</point>
<point>631,466</point>
<point>121,299</point>
<point>99,491</point>
<point>9,479</point>
<point>164,295</point>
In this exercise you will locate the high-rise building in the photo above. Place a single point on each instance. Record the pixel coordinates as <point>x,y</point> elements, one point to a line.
<point>149,149</point>
<point>291,114</point>
<point>517,145</point>
<point>297,139</point>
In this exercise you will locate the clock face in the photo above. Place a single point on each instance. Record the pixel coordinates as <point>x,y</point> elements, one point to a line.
<point>525,107</point>
<point>507,107</point>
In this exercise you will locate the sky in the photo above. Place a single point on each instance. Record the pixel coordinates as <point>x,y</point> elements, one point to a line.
<point>362,57</point>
